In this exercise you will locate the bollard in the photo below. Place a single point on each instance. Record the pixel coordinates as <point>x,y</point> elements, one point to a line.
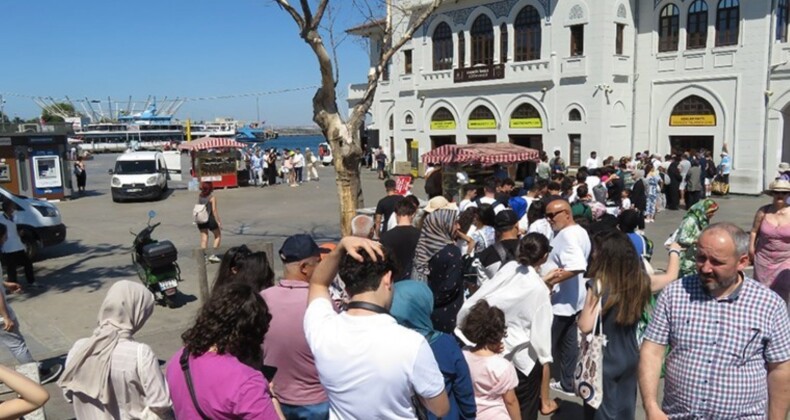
<point>200,259</point>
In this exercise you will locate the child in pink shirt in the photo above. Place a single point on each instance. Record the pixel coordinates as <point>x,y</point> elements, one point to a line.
<point>493,377</point>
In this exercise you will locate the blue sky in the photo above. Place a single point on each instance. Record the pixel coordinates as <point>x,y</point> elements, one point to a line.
<point>192,48</point>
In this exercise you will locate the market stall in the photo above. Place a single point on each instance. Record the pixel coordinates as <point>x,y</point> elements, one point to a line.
<point>215,160</point>
<point>476,161</point>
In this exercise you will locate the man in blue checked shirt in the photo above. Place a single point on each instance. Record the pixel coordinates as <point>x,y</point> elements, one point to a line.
<point>729,339</point>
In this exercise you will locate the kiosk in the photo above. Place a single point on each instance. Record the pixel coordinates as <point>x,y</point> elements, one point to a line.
<point>215,160</point>
<point>35,165</point>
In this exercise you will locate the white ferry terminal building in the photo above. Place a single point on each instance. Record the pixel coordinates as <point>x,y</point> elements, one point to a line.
<point>613,76</point>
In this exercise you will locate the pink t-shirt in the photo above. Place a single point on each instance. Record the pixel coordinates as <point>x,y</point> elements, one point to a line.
<point>492,378</point>
<point>225,389</point>
<point>285,346</point>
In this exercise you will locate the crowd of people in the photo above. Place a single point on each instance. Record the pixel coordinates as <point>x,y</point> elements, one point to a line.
<point>473,308</point>
<point>270,167</point>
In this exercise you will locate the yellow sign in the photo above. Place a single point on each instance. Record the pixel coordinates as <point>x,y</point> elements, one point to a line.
<point>526,123</point>
<point>481,124</point>
<point>692,120</point>
<point>443,125</point>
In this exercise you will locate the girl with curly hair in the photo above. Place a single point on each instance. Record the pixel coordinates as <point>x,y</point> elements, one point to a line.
<point>493,377</point>
<point>222,355</point>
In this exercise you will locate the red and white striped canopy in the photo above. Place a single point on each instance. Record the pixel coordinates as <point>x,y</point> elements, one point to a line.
<point>485,154</point>
<point>210,143</point>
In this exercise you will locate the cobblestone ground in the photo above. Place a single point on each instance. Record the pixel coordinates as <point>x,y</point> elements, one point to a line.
<point>77,274</point>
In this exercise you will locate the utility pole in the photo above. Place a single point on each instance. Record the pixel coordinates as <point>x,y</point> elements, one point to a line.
<point>2,113</point>
<point>258,108</point>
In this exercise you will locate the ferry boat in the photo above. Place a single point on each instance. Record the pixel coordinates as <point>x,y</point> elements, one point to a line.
<point>146,130</point>
<point>255,132</point>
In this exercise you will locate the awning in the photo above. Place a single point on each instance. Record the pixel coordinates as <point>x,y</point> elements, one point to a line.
<point>485,154</point>
<point>211,143</point>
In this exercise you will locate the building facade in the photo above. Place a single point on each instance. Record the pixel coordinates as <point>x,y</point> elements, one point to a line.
<point>612,76</point>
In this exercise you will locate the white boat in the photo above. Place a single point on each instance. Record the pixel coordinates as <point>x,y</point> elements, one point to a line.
<point>146,130</point>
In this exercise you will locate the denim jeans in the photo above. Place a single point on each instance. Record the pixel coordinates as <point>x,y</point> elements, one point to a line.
<point>318,411</point>
<point>15,343</point>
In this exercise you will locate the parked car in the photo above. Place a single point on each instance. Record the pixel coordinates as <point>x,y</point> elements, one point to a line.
<point>39,222</point>
<point>144,175</point>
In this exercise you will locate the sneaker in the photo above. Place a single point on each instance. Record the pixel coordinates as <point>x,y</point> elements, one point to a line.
<point>46,376</point>
<point>555,385</point>
<point>213,259</point>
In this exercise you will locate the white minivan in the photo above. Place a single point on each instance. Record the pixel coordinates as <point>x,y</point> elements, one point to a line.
<point>144,175</point>
<point>38,221</point>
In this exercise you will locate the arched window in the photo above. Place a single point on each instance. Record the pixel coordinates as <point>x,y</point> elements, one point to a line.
<point>442,47</point>
<point>668,28</point>
<point>461,50</point>
<point>525,116</point>
<point>781,20</point>
<point>728,17</point>
<point>693,111</point>
<point>409,120</point>
<point>482,41</point>
<point>697,25</point>
<point>503,43</point>
<point>527,33</point>
<point>574,115</point>
<point>442,119</point>
<point>481,118</point>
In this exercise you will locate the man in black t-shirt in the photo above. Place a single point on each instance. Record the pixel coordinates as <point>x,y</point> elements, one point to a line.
<point>506,247</point>
<point>402,239</point>
<point>386,206</point>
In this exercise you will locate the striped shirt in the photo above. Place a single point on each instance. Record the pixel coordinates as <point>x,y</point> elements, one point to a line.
<point>716,367</point>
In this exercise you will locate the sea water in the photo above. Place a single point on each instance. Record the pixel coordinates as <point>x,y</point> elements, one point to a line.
<point>293,142</point>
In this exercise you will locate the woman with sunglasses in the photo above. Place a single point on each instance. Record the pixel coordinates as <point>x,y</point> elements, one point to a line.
<point>769,242</point>
<point>519,291</point>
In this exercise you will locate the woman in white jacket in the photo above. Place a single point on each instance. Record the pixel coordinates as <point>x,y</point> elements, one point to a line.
<point>519,291</point>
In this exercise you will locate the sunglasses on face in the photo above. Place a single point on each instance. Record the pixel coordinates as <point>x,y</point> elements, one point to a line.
<point>552,215</point>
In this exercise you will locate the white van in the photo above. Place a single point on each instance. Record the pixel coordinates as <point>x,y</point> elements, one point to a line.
<point>38,221</point>
<point>144,175</point>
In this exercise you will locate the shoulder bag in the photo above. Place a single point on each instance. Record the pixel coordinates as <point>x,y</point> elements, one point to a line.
<point>184,361</point>
<point>588,381</point>
<point>200,213</point>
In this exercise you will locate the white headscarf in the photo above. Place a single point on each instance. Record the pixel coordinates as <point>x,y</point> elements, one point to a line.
<point>124,311</point>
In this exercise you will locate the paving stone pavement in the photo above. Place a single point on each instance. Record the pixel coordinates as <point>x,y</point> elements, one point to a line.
<point>77,274</point>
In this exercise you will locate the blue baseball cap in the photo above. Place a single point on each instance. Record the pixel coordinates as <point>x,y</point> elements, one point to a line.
<point>298,247</point>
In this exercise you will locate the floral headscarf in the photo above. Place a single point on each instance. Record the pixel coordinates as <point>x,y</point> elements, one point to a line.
<point>695,221</point>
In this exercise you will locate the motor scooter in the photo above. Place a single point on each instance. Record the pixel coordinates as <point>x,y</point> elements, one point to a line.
<point>155,262</point>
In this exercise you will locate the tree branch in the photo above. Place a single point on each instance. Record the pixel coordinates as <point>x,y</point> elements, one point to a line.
<point>387,52</point>
<point>308,14</point>
<point>291,11</point>
<point>319,13</point>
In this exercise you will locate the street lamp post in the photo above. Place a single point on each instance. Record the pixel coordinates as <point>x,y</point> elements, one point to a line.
<point>2,113</point>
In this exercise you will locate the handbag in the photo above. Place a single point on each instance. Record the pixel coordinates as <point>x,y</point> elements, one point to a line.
<point>184,361</point>
<point>588,382</point>
<point>719,187</point>
<point>200,213</point>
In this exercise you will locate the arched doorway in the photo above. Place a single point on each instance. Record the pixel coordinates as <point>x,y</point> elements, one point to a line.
<point>481,119</point>
<point>527,121</point>
<point>695,114</point>
<point>442,128</point>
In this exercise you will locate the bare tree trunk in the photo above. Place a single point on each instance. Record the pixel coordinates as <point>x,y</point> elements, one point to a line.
<point>343,136</point>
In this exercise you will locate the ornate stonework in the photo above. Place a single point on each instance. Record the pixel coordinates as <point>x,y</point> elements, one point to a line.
<point>499,9</point>
<point>576,13</point>
<point>621,12</point>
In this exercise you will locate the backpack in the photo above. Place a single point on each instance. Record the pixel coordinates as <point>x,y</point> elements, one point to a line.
<point>600,193</point>
<point>710,170</point>
<point>200,213</point>
<point>557,165</point>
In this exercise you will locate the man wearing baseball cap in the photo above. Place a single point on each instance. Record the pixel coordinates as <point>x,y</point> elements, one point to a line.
<point>297,387</point>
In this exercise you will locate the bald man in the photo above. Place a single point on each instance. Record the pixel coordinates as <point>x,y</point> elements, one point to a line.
<point>570,250</point>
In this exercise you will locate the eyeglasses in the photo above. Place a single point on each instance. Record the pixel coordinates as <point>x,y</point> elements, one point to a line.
<point>551,215</point>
